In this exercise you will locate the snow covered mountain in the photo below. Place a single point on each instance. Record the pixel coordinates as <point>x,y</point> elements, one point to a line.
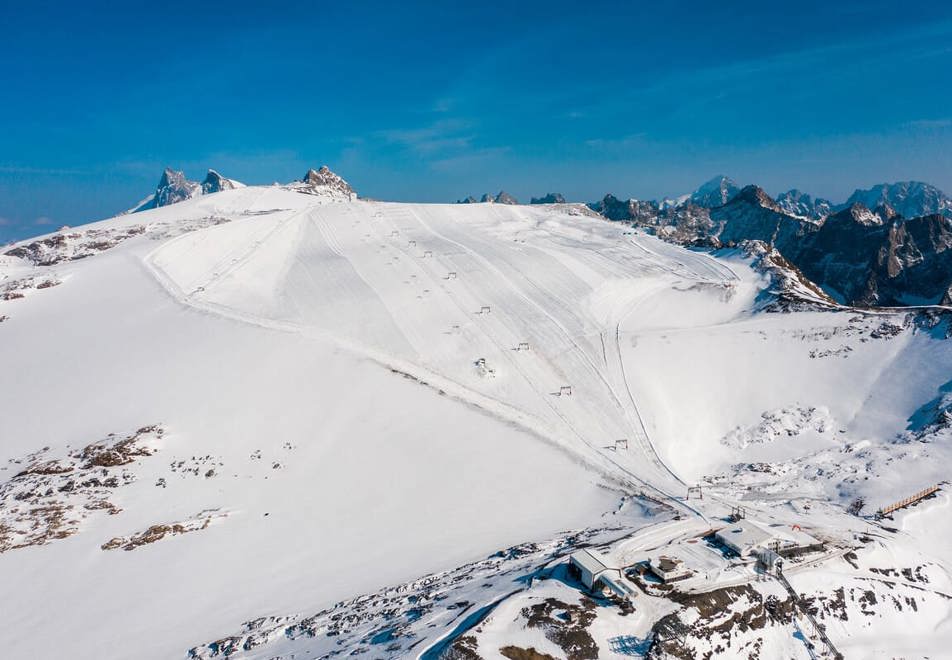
<point>309,425</point>
<point>716,192</point>
<point>910,199</point>
<point>794,202</point>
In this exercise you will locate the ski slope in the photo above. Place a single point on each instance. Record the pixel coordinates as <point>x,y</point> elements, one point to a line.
<point>356,394</point>
<point>434,289</point>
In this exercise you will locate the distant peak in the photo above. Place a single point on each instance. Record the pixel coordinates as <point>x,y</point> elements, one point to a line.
<point>171,177</point>
<point>858,213</point>
<point>324,180</point>
<point>551,198</point>
<point>319,176</point>
<point>755,195</point>
<point>215,182</point>
<point>715,192</point>
<point>505,198</point>
<point>173,188</point>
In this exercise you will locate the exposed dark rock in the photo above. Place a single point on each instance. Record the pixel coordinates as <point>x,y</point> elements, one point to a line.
<point>551,198</point>
<point>215,182</point>
<point>324,179</point>
<point>794,202</point>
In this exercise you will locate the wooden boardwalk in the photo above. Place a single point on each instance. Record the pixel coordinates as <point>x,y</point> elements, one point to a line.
<point>912,499</point>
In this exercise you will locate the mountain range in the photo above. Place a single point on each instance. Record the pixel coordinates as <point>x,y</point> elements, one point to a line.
<point>888,245</point>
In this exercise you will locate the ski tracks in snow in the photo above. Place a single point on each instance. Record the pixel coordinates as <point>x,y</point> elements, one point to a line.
<point>533,288</point>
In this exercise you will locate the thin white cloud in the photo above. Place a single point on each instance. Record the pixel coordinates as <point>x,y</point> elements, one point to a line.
<point>929,124</point>
<point>19,169</point>
<point>441,136</point>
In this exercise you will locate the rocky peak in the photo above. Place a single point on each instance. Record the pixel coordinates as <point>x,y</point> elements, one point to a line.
<point>757,196</point>
<point>215,182</point>
<point>173,187</point>
<point>800,203</point>
<point>323,180</point>
<point>886,212</point>
<point>716,192</point>
<point>856,213</point>
<point>468,200</point>
<point>505,198</point>
<point>551,198</point>
<point>612,208</point>
<point>486,198</point>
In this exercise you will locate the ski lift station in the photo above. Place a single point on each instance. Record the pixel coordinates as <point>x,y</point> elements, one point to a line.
<point>749,538</point>
<point>588,566</point>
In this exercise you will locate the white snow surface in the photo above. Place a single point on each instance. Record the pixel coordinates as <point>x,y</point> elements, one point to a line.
<point>321,356</point>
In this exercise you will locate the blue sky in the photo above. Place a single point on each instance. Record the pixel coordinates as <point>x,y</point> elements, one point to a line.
<point>432,101</point>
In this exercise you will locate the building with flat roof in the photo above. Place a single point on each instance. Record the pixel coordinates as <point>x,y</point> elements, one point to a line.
<point>747,537</point>
<point>669,569</point>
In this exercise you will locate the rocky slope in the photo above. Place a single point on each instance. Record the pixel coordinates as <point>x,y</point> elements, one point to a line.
<point>551,198</point>
<point>859,255</point>
<point>502,197</point>
<point>794,202</point>
<point>324,182</point>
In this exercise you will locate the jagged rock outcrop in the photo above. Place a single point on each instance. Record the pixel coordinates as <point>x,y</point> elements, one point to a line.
<point>615,209</point>
<point>910,199</point>
<point>215,182</point>
<point>173,188</point>
<point>860,257</point>
<point>794,202</point>
<point>551,198</point>
<point>325,182</point>
<point>753,215</point>
<point>502,197</point>
<point>857,256</point>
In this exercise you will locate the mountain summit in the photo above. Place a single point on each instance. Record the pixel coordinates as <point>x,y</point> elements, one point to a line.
<point>910,199</point>
<point>323,181</point>
<point>215,182</point>
<point>174,187</point>
<point>716,192</point>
